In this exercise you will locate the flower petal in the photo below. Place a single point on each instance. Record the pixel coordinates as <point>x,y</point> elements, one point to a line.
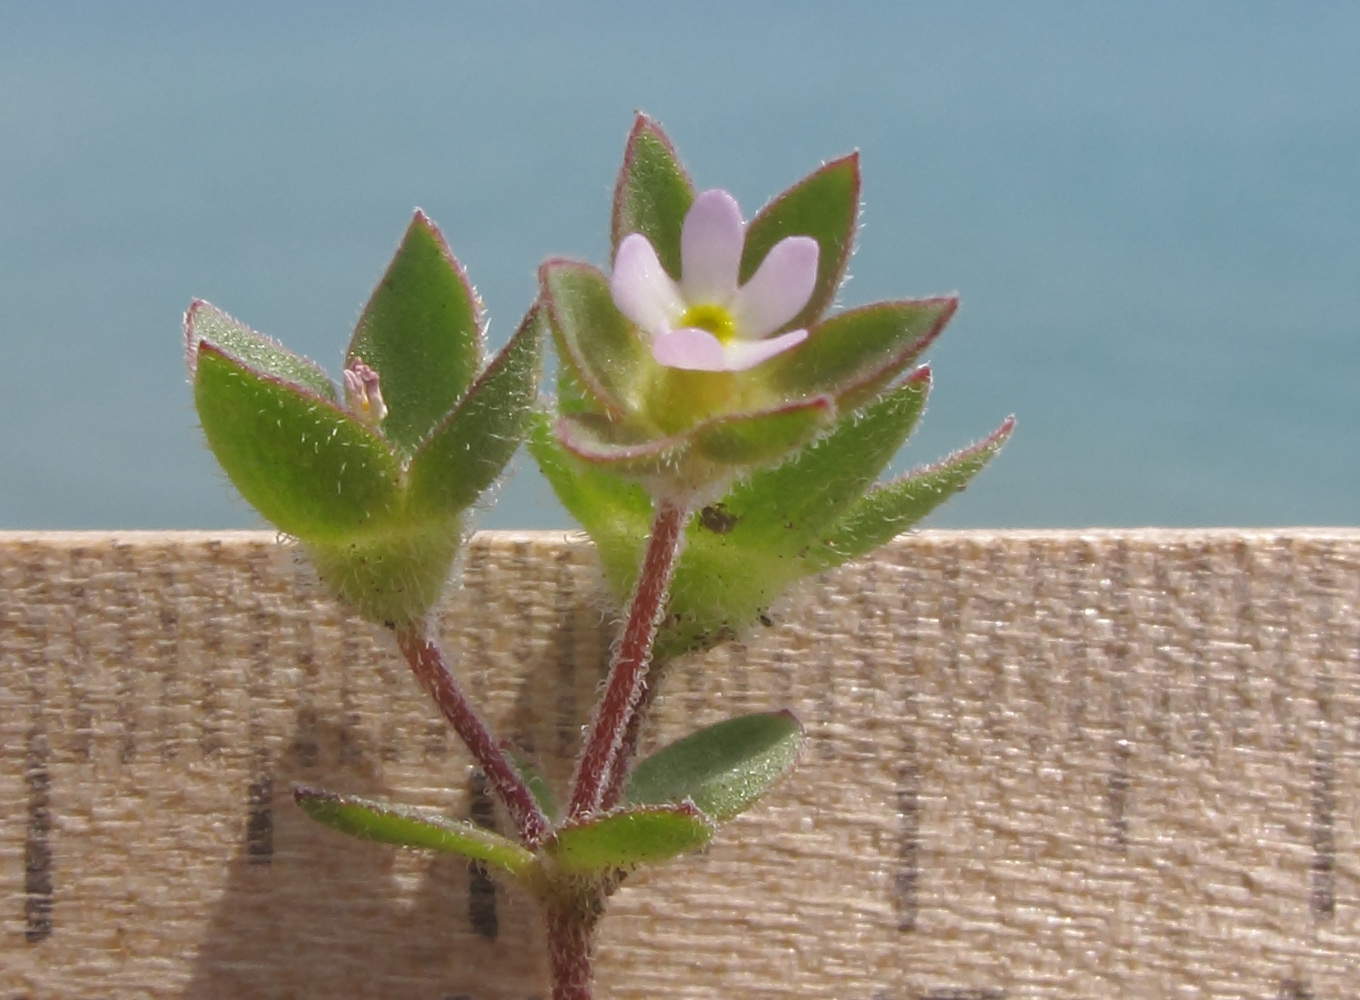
<point>778,290</point>
<point>710,248</point>
<point>690,348</point>
<point>743,354</point>
<point>642,289</point>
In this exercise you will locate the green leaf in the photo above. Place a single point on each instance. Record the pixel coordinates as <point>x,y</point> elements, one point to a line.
<point>653,194</point>
<point>782,510</point>
<point>722,769</point>
<point>858,351</point>
<point>572,396</point>
<point>610,358</point>
<point>631,837</point>
<point>743,553</point>
<point>886,512</point>
<point>391,577</point>
<point>625,449</point>
<point>824,205</point>
<point>309,467</point>
<point>406,827</point>
<point>616,512</point>
<point>697,456</point>
<point>205,323</point>
<point>757,438</point>
<point>469,449</point>
<point>422,332</point>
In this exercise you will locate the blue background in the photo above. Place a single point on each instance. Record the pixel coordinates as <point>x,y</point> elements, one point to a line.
<point>1152,211</point>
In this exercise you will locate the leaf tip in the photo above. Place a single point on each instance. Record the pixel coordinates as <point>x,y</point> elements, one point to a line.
<point>645,128</point>
<point>947,305</point>
<point>850,161</point>
<point>302,792</point>
<point>791,716</point>
<point>191,338</point>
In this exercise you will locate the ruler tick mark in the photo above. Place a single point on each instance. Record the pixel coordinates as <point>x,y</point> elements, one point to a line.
<point>37,839</point>
<point>908,874</point>
<point>481,889</point>
<point>1322,898</point>
<point>260,820</point>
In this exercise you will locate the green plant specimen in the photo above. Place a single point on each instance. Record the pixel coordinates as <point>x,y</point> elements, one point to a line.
<point>716,432</point>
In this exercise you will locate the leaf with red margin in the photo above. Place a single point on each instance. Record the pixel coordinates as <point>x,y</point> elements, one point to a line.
<point>888,510</point>
<point>598,440</point>
<point>853,355</point>
<point>422,333</point>
<point>652,195</point>
<point>309,467</point>
<point>823,205</point>
<point>747,439</point>
<point>470,447</point>
<point>204,323</point>
<point>612,363</point>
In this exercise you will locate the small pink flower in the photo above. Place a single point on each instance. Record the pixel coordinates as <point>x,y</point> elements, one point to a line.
<point>708,321</point>
<point>363,393</point>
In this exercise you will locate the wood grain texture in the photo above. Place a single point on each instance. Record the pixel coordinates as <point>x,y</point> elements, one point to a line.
<point>1040,765</point>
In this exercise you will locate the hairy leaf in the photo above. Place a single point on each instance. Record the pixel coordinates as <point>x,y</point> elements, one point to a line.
<point>653,194</point>
<point>602,346</point>
<point>892,508</point>
<point>824,205</point>
<point>616,512</point>
<point>309,467</point>
<point>628,838</point>
<point>470,447</point>
<point>855,354</point>
<point>751,439</point>
<point>724,768</point>
<point>422,332</point>
<point>205,323</point>
<point>406,827</point>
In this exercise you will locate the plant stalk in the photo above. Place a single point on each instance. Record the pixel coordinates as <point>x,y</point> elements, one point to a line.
<point>618,774</point>
<point>628,670</point>
<point>571,945</point>
<point>428,664</point>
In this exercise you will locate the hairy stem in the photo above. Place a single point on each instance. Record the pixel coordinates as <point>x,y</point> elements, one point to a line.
<point>632,656</point>
<point>428,664</point>
<point>618,774</point>
<point>571,944</point>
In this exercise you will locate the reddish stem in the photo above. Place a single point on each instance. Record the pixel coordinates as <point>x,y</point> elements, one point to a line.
<point>618,774</point>
<point>428,664</point>
<point>571,945</point>
<point>628,671</point>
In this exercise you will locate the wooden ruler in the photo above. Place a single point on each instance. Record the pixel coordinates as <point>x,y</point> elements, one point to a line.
<point>1040,765</point>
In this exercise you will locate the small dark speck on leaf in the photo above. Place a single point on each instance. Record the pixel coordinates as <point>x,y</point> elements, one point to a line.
<point>716,519</point>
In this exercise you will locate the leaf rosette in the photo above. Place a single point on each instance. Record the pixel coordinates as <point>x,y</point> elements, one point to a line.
<point>374,481</point>
<point>782,455</point>
<point>705,354</point>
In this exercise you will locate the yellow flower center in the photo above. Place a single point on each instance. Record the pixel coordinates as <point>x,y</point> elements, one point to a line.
<point>715,319</point>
